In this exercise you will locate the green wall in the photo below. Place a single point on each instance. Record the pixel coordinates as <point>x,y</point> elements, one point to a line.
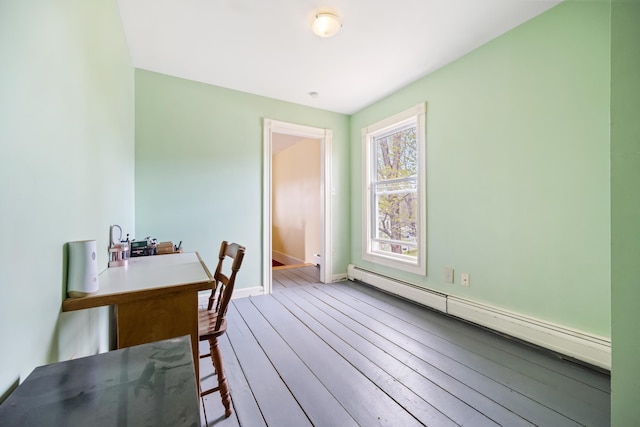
<point>66,168</point>
<point>199,157</point>
<point>625,211</point>
<point>518,169</point>
<point>519,189</point>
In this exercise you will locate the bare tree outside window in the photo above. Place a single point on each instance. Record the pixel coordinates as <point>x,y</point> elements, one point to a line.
<point>395,191</point>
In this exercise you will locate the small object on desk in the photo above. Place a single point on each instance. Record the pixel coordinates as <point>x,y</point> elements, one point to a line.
<point>146,247</point>
<point>149,384</point>
<point>164,248</point>
<point>118,248</point>
<point>82,275</point>
<point>140,248</point>
<point>118,255</point>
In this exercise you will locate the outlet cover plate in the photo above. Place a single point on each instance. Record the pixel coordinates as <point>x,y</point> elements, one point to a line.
<point>465,279</point>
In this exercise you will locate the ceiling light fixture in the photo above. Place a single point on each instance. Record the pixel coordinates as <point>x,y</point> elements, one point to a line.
<point>326,24</point>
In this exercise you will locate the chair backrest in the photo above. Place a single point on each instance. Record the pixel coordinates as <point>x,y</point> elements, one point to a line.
<point>223,283</point>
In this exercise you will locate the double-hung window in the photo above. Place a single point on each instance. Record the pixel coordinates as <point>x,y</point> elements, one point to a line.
<point>394,203</point>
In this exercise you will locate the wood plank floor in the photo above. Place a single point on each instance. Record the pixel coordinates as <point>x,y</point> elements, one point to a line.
<point>345,354</point>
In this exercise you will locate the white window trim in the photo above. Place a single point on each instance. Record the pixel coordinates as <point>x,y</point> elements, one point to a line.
<point>419,265</point>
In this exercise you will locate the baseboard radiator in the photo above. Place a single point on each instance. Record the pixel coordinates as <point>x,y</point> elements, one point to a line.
<point>574,344</point>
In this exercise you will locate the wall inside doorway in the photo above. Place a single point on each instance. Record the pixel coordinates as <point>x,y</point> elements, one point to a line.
<point>296,208</point>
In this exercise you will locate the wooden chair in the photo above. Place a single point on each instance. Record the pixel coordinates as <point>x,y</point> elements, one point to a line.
<point>212,322</point>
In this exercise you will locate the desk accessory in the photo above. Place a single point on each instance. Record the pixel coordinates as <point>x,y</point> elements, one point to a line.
<point>82,274</point>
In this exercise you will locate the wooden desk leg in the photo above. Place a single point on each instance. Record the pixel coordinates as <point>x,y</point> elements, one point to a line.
<point>159,318</point>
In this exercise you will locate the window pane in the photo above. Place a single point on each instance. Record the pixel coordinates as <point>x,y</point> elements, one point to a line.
<point>396,155</point>
<point>396,222</point>
<point>394,188</point>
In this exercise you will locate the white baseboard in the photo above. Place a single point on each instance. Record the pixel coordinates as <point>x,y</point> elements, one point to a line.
<point>203,296</point>
<point>579,345</point>
<point>285,259</point>
<point>339,277</point>
<point>248,292</point>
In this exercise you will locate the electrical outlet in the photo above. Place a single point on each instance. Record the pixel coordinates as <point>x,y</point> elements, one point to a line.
<point>465,279</point>
<point>448,275</point>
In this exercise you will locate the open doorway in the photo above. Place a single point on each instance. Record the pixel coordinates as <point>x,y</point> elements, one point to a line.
<point>296,209</point>
<point>299,235</point>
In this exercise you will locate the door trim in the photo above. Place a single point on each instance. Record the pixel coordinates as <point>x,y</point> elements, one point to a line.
<point>325,136</point>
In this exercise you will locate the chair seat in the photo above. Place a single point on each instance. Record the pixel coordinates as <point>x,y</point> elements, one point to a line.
<point>207,325</point>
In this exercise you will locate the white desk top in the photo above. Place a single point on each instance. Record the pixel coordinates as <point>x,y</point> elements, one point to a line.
<point>145,275</point>
<point>152,272</point>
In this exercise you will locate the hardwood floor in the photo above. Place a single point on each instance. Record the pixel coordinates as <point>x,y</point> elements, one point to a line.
<point>293,276</point>
<point>345,354</point>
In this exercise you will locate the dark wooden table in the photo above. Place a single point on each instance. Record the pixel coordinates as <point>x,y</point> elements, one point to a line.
<point>146,385</point>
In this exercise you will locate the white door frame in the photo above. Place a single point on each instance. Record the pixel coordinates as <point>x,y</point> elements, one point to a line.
<point>325,136</point>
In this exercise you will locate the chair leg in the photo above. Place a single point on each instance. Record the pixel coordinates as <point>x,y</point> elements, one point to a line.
<point>216,357</point>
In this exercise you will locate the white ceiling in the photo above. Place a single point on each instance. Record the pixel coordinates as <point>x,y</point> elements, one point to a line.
<point>266,47</point>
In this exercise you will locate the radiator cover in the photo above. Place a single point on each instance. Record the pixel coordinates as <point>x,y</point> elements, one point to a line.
<point>572,343</point>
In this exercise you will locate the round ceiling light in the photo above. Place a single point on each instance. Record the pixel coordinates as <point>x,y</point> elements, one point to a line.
<point>326,24</point>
